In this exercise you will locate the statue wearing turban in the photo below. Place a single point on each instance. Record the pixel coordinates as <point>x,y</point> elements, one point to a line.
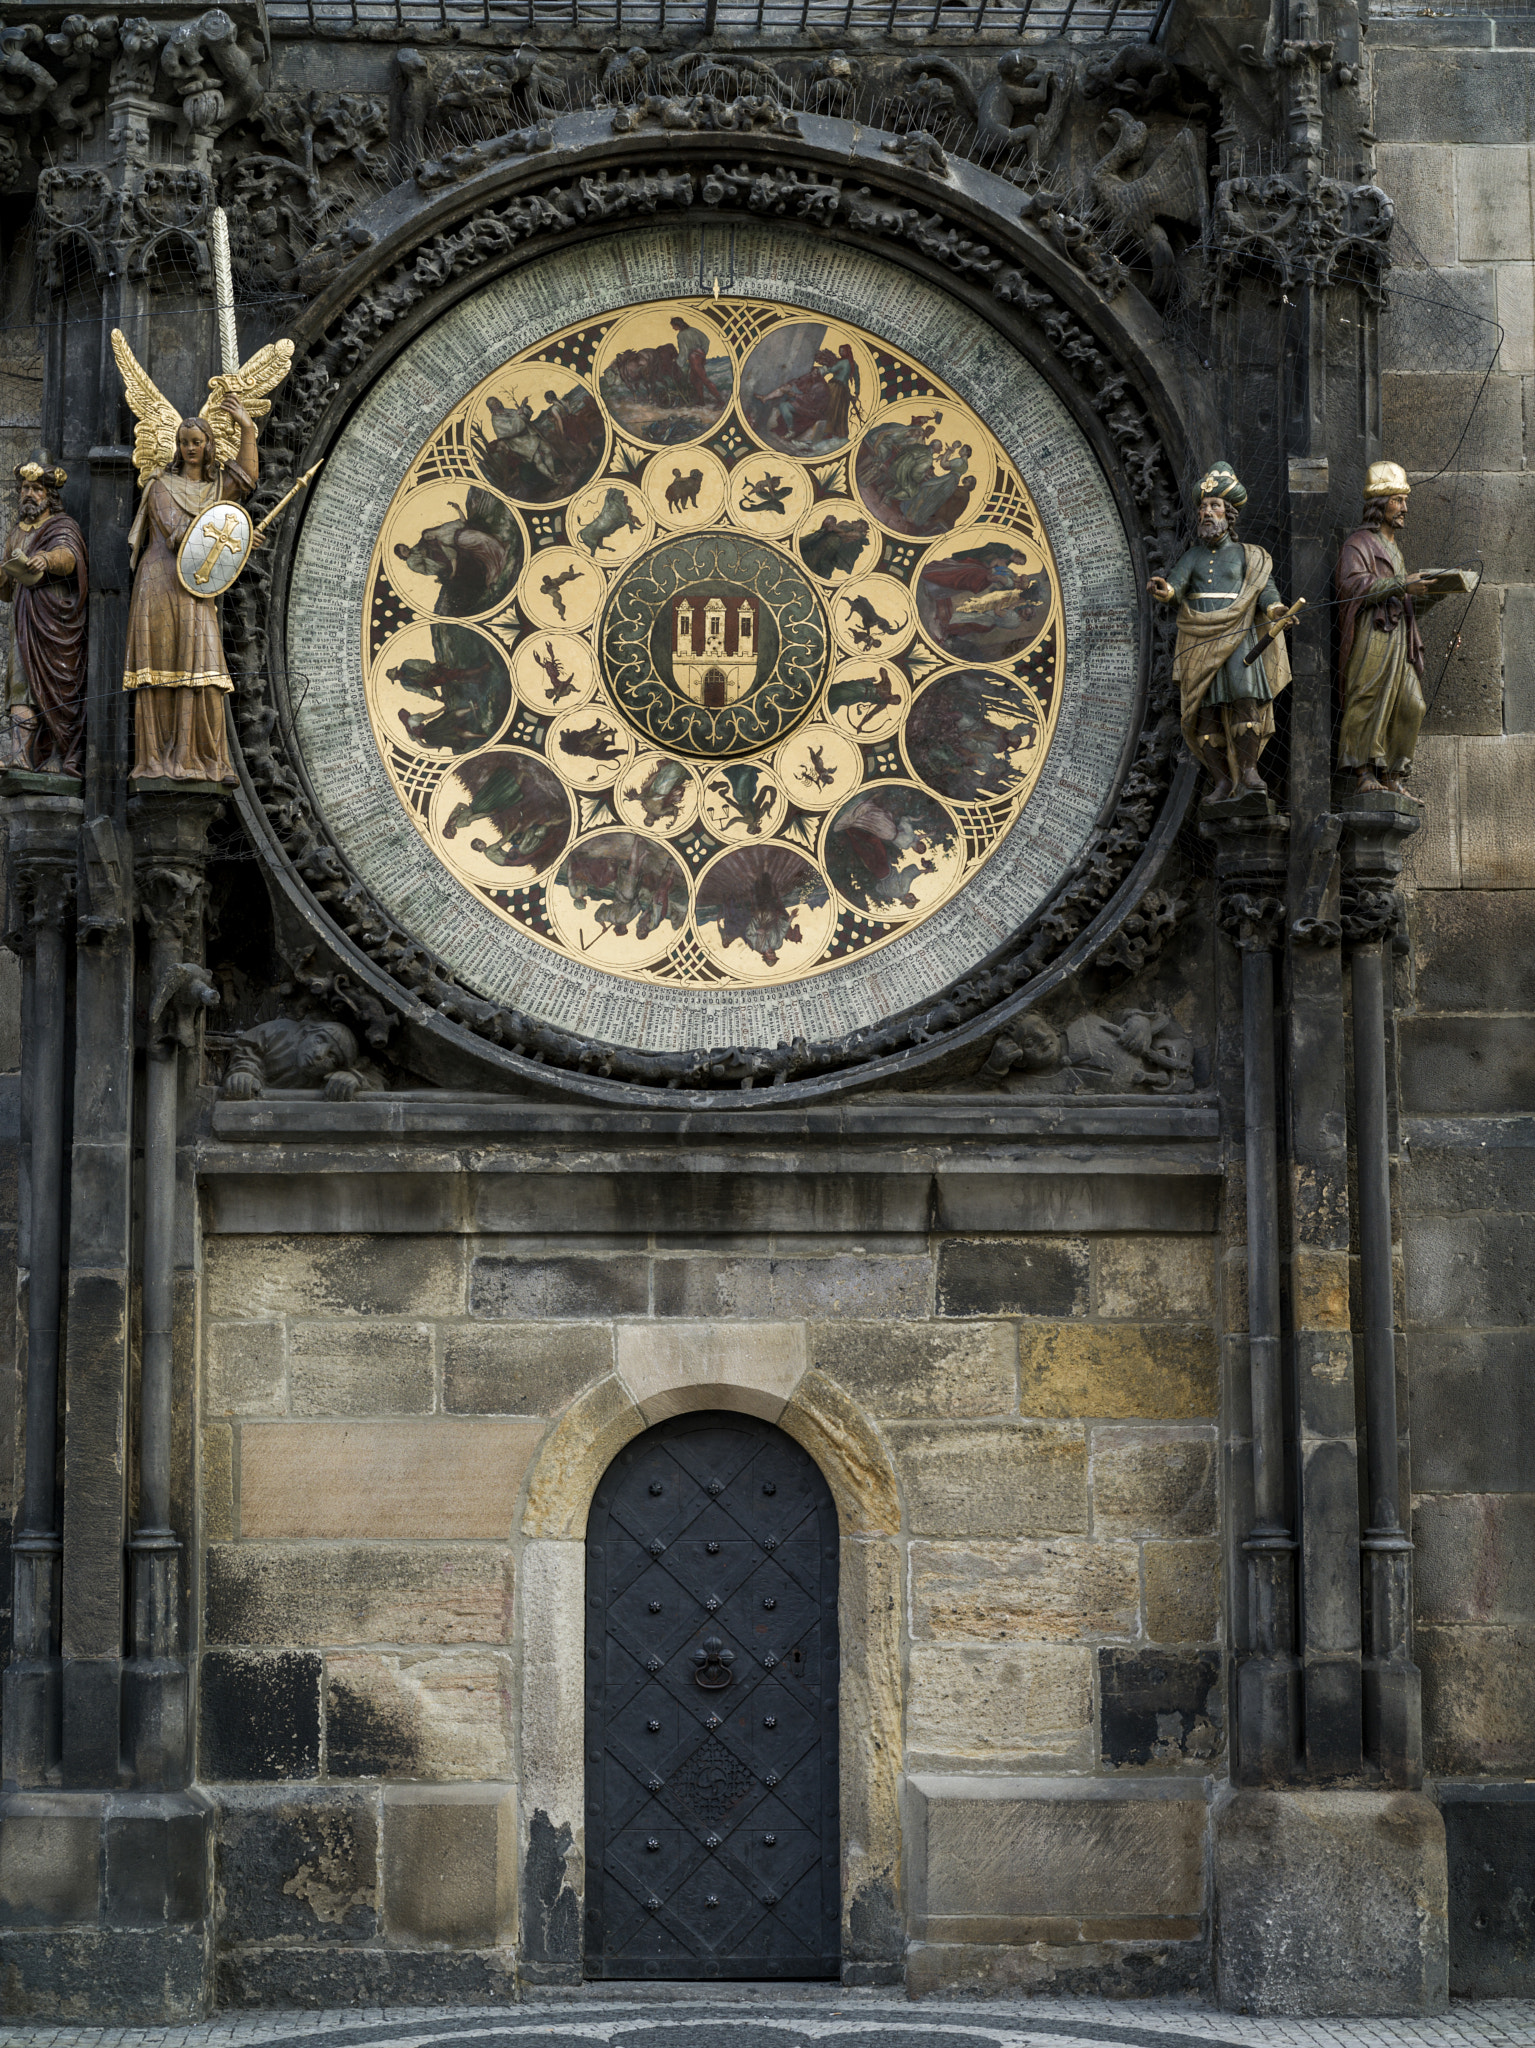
<point>1380,656</point>
<point>1226,707</point>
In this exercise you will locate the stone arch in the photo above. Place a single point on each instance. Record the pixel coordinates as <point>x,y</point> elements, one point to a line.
<point>663,1370</point>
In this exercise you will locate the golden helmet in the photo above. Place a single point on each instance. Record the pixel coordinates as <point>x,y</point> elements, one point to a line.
<point>1386,480</point>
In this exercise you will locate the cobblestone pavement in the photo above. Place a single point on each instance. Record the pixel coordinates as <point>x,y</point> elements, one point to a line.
<point>637,2017</point>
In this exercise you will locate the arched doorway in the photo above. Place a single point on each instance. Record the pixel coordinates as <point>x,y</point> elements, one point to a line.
<point>711,1713</point>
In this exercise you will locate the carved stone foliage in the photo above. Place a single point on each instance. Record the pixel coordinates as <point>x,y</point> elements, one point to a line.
<point>317,128</point>
<point>1288,232</point>
<point>1141,937</point>
<point>290,200</point>
<point>39,895</point>
<point>1251,919</point>
<point>1371,909</point>
<point>1075,239</point>
<point>288,227</point>
<point>120,212</point>
<point>490,238</point>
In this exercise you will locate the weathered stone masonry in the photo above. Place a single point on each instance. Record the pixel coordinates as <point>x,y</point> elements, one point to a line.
<point>1097,1730</point>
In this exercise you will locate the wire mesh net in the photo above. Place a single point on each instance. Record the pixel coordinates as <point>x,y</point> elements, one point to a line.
<point>1444,396</point>
<point>1446,392</point>
<point>901,19</point>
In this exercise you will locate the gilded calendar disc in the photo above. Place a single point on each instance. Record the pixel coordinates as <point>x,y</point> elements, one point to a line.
<point>911,612</point>
<point>718,645</point>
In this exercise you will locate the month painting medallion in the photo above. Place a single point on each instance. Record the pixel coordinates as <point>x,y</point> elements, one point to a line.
<point>719,644</point>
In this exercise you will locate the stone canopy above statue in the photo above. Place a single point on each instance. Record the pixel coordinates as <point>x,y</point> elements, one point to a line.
<point>715,669</point>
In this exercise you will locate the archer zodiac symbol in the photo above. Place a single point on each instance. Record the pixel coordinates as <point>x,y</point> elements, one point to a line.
<point>226,541</point>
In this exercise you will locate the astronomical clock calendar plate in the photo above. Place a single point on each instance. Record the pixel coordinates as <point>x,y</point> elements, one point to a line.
<point>708,669</point>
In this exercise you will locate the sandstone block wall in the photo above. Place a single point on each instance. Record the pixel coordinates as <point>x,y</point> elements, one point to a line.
<point>374,1411</point>
<point>1455,109</point>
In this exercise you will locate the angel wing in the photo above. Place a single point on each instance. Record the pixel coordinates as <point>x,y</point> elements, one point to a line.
<point>248,386</point>
<point>154,441</point>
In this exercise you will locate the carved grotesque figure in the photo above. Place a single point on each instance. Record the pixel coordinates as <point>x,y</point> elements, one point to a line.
<point>1092,1056</point>
<point>44,576</point>
<point>1226,703</point>
<point>288,1052</point>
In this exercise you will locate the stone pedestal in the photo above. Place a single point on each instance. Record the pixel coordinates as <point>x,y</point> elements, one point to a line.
<point>1330,1903</point>
<point>106,1907</point>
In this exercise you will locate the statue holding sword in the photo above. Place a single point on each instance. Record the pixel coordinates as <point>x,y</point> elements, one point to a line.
<point>1228,668</point>
<point>189,541</point>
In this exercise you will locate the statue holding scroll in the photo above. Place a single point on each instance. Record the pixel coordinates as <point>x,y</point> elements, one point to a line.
<point>1380,654</point>
<point>189,541</point>
<point>44,576</point>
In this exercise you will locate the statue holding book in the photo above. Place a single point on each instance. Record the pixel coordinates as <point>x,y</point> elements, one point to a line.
<point>45,578</point>
<point>1380,652</point>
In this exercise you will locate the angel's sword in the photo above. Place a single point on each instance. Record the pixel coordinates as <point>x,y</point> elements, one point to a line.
<point>224,292</point>
<point>229,346</point>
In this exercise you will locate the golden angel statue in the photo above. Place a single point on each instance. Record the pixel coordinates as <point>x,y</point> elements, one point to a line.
<point>175,662</point>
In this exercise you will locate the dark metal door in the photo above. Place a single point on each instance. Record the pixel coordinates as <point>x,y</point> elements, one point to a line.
<point>711,1708</point>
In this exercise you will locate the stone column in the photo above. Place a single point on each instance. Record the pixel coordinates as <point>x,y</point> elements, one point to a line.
<point>170,829</point>
<point>1327,1899</point>
<point>1331,1895</point>
<point>42,818</point>
<point>1251,836</point>
<point>1377,827</point>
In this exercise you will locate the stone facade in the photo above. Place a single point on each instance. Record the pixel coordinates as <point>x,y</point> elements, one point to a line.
<point>401,1435</point>
<point>1109,1719</point>
<point>1453,147</point>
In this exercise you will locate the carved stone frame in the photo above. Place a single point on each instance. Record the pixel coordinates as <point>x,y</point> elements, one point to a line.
<point>690,1368</point>
<point>1101,357</point>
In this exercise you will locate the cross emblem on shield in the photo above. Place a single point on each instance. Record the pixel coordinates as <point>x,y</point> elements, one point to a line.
<point>215,549</point>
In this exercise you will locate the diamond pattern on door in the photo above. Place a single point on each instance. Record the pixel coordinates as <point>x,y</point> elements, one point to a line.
<point>712,1825</point>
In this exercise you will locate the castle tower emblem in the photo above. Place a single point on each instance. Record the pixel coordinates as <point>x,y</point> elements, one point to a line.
<point>714,649</point>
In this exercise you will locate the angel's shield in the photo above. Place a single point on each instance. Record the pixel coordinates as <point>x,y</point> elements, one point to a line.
<point>216,548</point>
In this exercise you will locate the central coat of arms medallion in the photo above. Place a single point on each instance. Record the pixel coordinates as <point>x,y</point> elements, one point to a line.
<point>715,644</point>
